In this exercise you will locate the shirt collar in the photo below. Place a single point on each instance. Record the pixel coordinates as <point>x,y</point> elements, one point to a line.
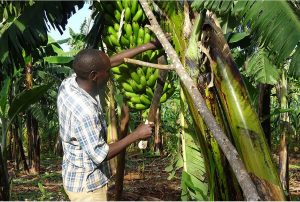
<point>75,86</point>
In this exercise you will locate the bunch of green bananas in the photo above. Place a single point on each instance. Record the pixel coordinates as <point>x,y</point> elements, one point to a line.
<point>125,28</point>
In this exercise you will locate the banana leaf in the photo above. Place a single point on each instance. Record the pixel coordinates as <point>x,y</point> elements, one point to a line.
<point>214,160</point>
<point>244,123</point>
<point>193,181</point>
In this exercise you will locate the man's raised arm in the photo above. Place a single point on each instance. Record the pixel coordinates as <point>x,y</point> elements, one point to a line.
<point>118,58</point>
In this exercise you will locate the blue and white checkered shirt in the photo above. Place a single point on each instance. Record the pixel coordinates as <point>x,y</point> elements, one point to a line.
<point>83,134</point>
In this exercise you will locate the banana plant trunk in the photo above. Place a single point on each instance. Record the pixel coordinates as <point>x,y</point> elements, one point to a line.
<point>112,130</point>
<point>264,107</point>
<point>214,159</point>
<point>284,125</point>
<point>19,145</point>
<point>244,123</point>
<point>32,129</point>
<point>124,124</point>
<point>4,185</point>
<point>229,150</point>
<point>158,144</point>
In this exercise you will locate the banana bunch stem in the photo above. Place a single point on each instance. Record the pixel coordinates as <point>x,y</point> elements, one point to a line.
<point>148,64</point>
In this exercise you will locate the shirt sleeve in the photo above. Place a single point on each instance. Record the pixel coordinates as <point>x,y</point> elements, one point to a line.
<point>89,134</point>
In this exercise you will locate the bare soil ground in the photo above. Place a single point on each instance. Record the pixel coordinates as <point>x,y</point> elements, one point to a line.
<point>145,179</point>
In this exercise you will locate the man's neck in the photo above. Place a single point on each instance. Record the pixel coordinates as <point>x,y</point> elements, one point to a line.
<point>86,86</point>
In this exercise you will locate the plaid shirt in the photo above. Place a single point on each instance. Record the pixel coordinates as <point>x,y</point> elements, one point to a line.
<point>83,134</point>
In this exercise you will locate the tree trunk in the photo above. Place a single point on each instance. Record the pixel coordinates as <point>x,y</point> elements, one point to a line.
<point>230,152</point>
<point>264,106</point>
<point>158,144</point>
<point>32,129</point>
<point>4,186</point>
<point>11,145</point>
<point>58,150</point>
<point>124,123</point>
<point>18,141</point>
<point>284,125</point>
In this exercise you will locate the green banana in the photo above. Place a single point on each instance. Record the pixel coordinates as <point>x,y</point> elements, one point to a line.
<point>124,4</point>
<point>128,29</point>
<point>140,72</point>
<point>140,106</point>
<point>154,54</point>
<point>124,41</point>
<point>117,76</point>
<point>114,40</point>
<point>149,72</point>
<point>144,68</point>
<point>135,28</point>
<point>127,87</point>
<point>134,6</point>
<point>107,41</point>
<point>111,30</point>
<point>119,5</point>
<point>155,73</point>
<point>138,15</point>
<point>135,77</point>
<point>131,105</point>
<point>141,33</point>
<point>149,92</point>
<point>130,94</point>
<point>116,70</point>
<point>135,99</point>
<point>145,100</point>
<point>116,26</point>
<point>132,41</point>
<point>165,87</point>
<point>147,38</point>
<point>127,14</point>
<point>140,41</point>
<point>143,17</point>
<point>143,81</point>
<point>163,98</point>
<point>117,15</point>
<point>151,81</point>
<point>134,85</point>
<point>170,91</point>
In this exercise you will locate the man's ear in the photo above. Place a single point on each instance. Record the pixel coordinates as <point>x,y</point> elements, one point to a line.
<point>92,75</point>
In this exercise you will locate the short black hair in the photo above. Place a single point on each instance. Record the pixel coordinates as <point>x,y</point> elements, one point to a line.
<point>89,60</point>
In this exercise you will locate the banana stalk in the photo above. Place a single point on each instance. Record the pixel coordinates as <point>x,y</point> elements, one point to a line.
<point>244,123</point>
<point>112,131</point>
<point>214,159</point>
<point>284,125</point>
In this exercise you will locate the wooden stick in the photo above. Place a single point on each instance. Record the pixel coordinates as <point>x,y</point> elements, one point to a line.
<point>148,64</point>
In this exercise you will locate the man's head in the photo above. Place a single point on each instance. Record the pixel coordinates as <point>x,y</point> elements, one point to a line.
<point>93,66</point>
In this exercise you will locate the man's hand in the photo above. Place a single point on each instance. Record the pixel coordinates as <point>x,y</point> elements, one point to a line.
<point>143,131</point>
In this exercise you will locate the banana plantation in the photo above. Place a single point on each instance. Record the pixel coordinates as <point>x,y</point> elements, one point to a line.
<point>223,90</point>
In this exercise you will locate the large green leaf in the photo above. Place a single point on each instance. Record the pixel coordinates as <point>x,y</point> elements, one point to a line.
<point>22,101</point>
<point>28,29</point>
<point>59,59</point>
<point>173,23</point>
<point>261,69</point>
<point>197,189</point>
<point>4,96</point>
<point>274,25</point>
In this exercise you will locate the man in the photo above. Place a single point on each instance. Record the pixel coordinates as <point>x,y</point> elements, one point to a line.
<point>85,167</point>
